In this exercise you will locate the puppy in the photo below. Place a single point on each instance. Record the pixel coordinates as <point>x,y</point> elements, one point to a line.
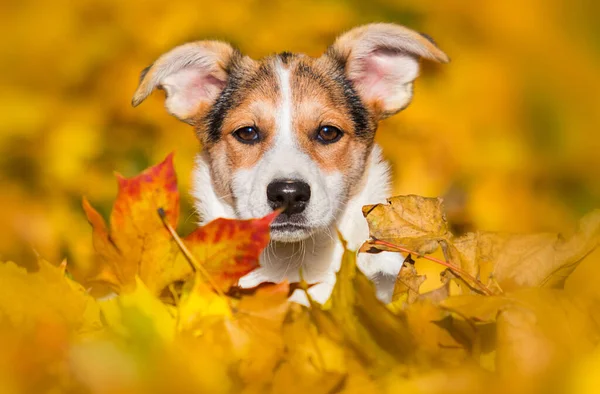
<point>295,132</point>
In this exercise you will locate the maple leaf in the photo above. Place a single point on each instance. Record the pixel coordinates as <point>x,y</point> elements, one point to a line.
<point>229,249</point>
<point>42,314</point>
<point>119,312</point>
<point>46,295</point>
<point>415,223</point>
<point>137,243</point>
<point>141,241</point>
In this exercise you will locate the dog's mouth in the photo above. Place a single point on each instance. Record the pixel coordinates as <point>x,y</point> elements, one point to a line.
<point>289,229</point>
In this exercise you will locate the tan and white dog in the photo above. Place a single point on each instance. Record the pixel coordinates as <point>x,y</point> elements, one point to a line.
<point>296,132</point>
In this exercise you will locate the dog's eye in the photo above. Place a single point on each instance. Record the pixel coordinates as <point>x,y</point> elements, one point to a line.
<point>247,135</point>
<point>329,134</point>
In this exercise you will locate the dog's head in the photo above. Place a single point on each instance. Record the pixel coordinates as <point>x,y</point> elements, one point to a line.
<point>290,130</point>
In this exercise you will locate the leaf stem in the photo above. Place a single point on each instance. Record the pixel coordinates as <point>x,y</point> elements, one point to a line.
<point>457,270</point>
<point>188,255</point>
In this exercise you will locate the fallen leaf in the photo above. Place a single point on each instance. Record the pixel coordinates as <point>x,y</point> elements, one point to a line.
<point>365,324</point>
<point>137,243</point>
<point>28,298</point>
<point>441,293</point>
<point>139,310</point>
<point>538,331</point>
<point>256,331</point>
<point>479,309</point>
<point>413,221</point>
<point>200,307</point>
<point>440,340</point>
<point>406,289</point>
<point>545,259</point>
<point>204,334</point>
<point>314,357</point>
<point>229,249</point>
<point>502,262</point>
<point>140,244</point>
<point>246,332</point>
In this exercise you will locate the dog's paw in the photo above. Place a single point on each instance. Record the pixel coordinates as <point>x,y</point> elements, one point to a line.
<point>319,293</point>
<point>253,279</point>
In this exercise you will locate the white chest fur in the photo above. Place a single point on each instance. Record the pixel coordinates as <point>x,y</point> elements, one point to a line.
<point>318,258</point>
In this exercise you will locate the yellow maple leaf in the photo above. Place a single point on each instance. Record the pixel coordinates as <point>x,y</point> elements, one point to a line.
<point>45,295</point>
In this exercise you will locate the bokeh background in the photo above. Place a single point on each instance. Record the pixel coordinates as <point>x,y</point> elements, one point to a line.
<point>508,131</point>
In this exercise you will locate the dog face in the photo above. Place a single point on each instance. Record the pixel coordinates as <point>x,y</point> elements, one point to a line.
<point>293,135</point>
<point>290,131</point>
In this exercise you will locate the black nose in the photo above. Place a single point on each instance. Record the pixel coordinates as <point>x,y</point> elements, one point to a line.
<point>293,195</point>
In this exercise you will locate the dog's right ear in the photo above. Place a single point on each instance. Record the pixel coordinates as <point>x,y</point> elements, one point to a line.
<point>192,75</point>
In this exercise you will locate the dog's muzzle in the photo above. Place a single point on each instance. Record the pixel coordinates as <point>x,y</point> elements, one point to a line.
<point>293,196</point>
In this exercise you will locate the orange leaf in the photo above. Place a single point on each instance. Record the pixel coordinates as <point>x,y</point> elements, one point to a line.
<point>138,243</point>
<point>229,249</point>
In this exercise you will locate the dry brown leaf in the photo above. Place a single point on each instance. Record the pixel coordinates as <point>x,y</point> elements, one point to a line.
<point>406,289</point>
<point>413,221</point>
<point>500,261</point>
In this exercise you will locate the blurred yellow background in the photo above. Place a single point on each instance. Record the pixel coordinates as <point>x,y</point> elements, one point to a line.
<point>508,130</point>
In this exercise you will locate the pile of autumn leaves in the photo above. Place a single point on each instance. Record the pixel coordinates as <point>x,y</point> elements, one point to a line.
<point>155,313</point>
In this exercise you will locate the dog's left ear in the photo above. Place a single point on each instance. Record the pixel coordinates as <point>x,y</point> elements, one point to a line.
<point>382,61</point>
